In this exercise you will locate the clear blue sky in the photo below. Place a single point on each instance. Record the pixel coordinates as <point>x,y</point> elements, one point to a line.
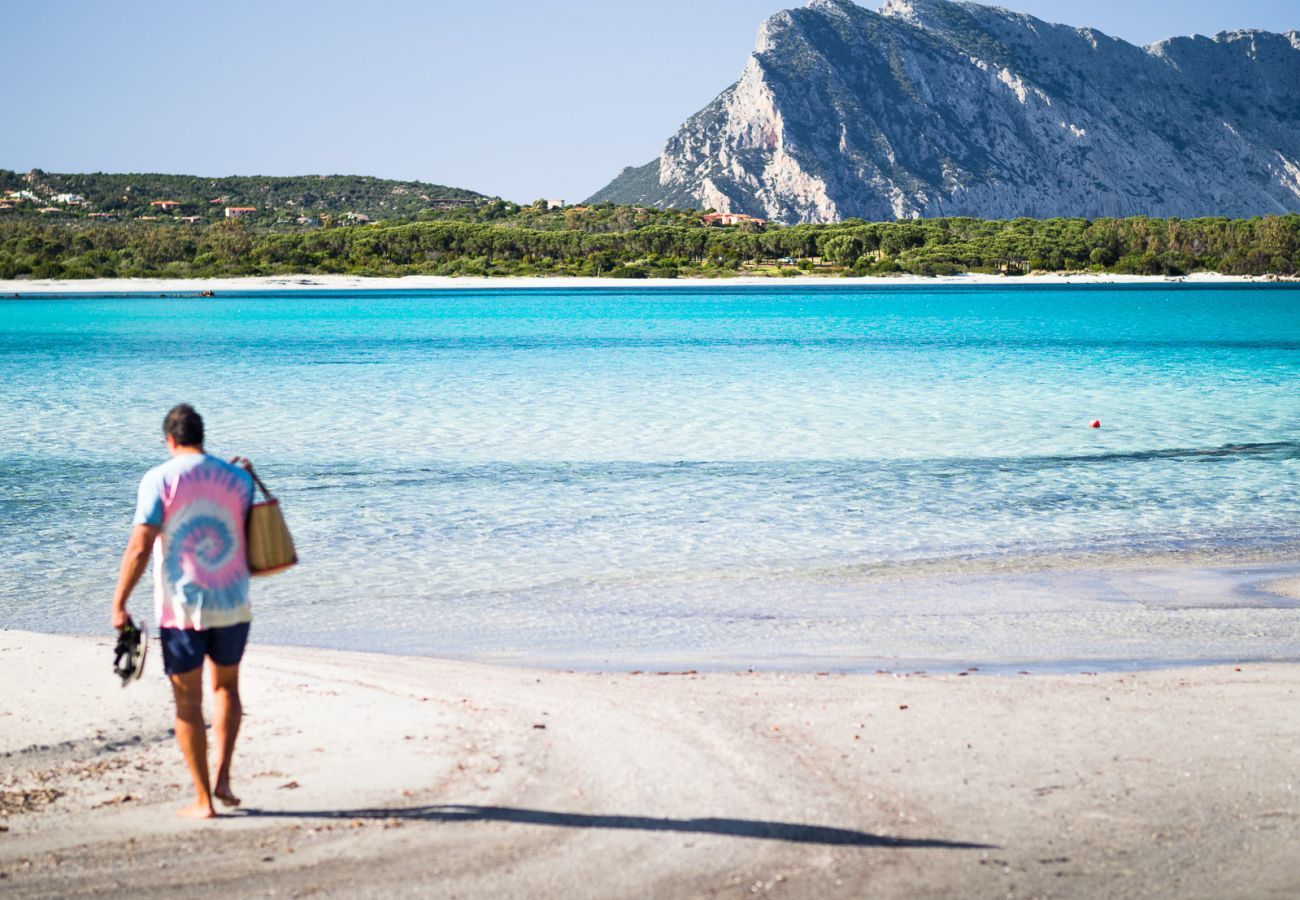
<point>521,99</point>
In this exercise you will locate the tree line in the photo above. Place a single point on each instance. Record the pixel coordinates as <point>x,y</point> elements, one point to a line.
<point>652,243</point>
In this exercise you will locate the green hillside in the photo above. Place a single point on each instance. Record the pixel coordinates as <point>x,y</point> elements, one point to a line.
<point>129,196</point>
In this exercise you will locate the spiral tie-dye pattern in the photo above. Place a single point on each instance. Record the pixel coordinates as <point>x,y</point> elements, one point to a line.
<point>201,573</point>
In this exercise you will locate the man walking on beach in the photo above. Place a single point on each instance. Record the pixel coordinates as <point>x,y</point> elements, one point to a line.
<point>192,510</point>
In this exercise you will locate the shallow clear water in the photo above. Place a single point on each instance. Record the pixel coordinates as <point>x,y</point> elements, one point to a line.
<point>611,475</point>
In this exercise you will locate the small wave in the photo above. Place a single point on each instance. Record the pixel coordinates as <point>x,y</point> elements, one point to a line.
<point>1264,449</point>
<point>345,349</point>
<point>351,477</point>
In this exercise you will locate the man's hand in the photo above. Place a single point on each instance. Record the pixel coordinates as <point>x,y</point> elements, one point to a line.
<point>243,462</point>
<point>120,618</point>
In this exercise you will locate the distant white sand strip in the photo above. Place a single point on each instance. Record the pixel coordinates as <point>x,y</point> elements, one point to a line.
<point>276,283</point>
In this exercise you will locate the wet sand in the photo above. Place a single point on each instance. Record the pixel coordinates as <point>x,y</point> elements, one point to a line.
<point>368,775</point>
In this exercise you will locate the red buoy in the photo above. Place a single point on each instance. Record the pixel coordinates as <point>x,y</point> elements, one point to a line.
<point>1096,423</point>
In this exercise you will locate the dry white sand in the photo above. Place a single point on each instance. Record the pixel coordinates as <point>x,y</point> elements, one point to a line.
<point>384,776</point>
<point>277,283</point>
<point>1284,587</point>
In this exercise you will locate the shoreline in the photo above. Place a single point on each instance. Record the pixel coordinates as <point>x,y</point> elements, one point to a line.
<point>307,283</point>
<point>1111,613</point>
<point>1064,615</point>
<point>1062,597</point>
<point>365,775</point>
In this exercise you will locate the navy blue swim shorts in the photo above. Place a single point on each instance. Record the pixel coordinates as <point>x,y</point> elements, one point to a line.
<point>184,648</point>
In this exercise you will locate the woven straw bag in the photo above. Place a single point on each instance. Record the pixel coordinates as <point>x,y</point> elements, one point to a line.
<point>270,546</point>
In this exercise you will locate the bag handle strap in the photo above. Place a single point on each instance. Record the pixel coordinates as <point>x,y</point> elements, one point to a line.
<point>247,465</point>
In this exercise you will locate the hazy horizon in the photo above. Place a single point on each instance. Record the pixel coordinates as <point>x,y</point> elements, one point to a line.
<point>516,100</point>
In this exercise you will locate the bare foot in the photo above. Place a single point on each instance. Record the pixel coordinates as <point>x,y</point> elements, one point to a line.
<point>226,795</point>
<point>197,811</point>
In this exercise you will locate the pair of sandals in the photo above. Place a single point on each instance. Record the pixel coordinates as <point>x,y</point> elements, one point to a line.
<point>129,654</point>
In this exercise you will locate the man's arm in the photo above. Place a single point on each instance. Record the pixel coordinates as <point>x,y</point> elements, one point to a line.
<point>134,561</point>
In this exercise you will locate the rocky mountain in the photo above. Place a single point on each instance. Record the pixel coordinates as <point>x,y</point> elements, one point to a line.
<point>939,108</point>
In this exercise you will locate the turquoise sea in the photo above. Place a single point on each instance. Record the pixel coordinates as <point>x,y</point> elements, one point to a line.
<point>713,475</point>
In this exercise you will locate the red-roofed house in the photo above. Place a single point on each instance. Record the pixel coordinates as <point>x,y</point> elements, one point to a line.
<point>712,219</point>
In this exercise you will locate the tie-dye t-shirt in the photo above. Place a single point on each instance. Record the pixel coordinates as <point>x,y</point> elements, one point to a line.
<point>200,567</point>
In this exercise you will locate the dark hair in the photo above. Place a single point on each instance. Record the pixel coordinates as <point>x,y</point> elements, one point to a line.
<point>184,425</point>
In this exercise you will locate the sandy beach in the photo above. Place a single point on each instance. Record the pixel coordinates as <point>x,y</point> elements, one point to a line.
<point>368,775</point>
<point>278,283</point>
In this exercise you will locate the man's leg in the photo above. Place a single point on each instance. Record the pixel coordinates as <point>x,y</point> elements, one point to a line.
<point>192,737</point>
<point>226,715</point>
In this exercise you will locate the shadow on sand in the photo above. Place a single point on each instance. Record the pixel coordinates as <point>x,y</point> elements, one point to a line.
<point>742,828</point>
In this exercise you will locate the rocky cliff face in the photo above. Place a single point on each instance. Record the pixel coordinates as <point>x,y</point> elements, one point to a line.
<point>938,108</point>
